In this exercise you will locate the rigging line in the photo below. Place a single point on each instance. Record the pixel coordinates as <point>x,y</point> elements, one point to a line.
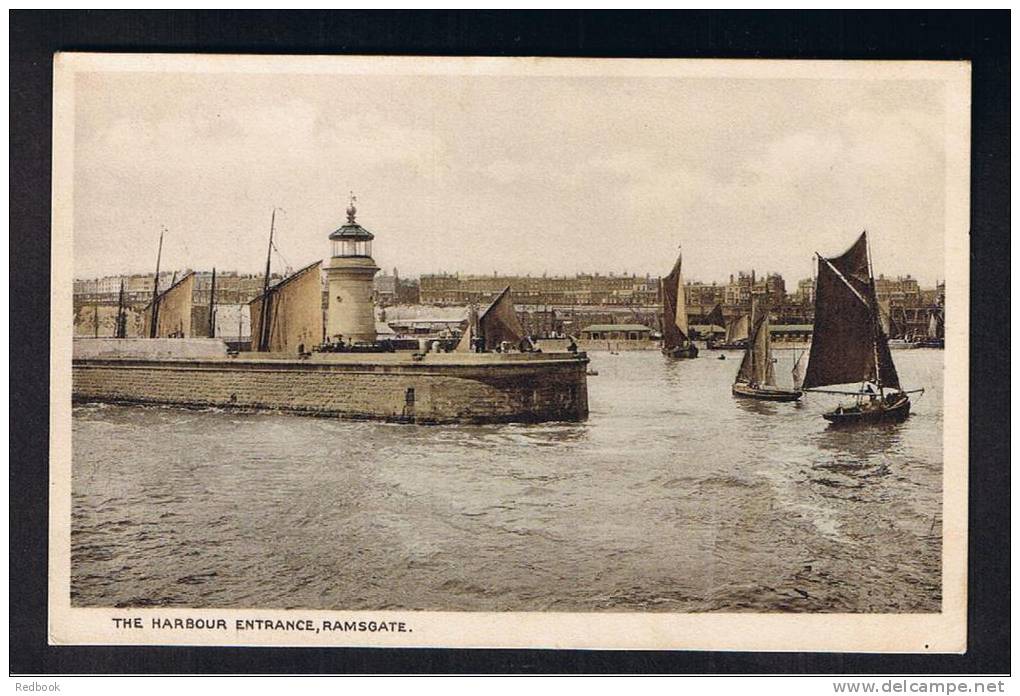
<point>283,258</point>
<point>843,278</point>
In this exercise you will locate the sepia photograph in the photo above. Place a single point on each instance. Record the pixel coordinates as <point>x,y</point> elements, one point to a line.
<point>522,352</point>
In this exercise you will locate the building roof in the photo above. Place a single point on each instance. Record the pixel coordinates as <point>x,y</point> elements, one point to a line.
<point>791,327</point>
<point>615,327</point>
<point>351,230</point>
<point>427,313</point>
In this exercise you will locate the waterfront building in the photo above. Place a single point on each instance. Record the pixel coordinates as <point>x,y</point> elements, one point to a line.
<point>903,290</point>
<point>616,332</point>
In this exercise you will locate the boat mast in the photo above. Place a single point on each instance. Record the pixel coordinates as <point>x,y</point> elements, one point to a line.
<point>263,320</point>
<point>212,305</point>
<point>749,343</point>
<point>121,328</point>
<point>876,321</point>
<point>766,327</point>
<point>154,313</point>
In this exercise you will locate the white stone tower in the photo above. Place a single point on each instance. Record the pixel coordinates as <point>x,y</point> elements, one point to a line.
<point>350,271</point>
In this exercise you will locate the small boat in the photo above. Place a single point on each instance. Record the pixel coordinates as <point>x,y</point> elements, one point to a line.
<point>765,392</point>
<point>893,407</point>
<point>756,378</point>
<point>849,344</point>
<point>676,341</point>
<point>902,343</point>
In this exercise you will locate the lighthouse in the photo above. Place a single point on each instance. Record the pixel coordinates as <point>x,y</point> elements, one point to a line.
<point>350,271</point>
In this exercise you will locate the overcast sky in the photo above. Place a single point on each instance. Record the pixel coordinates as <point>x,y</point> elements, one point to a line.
<point>509,173</point>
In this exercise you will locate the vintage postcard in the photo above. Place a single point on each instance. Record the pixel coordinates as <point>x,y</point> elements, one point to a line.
<point>509,352</point>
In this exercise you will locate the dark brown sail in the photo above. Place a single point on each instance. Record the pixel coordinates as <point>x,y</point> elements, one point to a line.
<point>848,344</point>
<point>674,308</point>
<point>499,322</point>
<point>715,317</point>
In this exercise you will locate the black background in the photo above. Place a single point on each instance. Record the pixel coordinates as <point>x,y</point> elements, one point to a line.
<point>981,37</point>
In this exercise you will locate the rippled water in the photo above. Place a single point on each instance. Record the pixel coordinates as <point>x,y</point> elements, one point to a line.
<point>673,496</point>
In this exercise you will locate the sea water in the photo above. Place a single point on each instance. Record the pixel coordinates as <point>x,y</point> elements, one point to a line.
<point>672,496</point>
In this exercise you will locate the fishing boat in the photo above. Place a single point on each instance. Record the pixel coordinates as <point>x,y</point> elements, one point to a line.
<point>756,378</point>
<point>849,345</point>
<point>676,341</point>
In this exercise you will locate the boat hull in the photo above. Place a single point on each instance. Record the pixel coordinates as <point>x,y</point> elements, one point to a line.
<point>746,391</point>
<point>886,412</point>
<point>719,345</point>
<point>679,352</point>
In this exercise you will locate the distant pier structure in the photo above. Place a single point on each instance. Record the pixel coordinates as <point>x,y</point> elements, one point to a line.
<point>350,272</point>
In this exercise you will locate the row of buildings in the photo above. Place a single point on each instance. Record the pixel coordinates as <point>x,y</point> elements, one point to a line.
<point>635,290</point>
<point>548,305</point>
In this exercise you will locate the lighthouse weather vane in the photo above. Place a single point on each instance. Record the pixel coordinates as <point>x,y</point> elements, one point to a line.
<point>351,210</point>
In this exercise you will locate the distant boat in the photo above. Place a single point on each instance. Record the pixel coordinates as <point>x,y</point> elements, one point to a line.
<point>756,378</point>
<point>902,343</point>
<point>849,344</point>
<point>936,331</point>
<point>676,341</point>
<point>738,330</point>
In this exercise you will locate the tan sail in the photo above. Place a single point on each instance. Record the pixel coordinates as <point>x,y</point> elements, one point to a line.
<point>464,345</point>
<point>738,329</point>
<point>294,319</point>
<point>756,367</point>
<point>173,310</point>
<point>499,322</point>
<point>681,305</point>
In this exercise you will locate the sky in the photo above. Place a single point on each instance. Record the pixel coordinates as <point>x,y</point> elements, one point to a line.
<point>514,174</point>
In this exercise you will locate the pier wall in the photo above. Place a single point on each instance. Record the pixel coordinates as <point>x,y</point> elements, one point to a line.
<point>444,388</point>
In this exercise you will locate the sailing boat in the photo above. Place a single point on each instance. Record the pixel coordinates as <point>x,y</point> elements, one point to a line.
<point>756,378</point>
<point>737,331</point>
<point>936,331</point>
<point>849,345</point>
<point>676,342</point>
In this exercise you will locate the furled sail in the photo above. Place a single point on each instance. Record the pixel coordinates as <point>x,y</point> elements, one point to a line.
<point>848,344</point>
<point>172,310</point>
<point>674,308</point>
<point>499,322</point>
<point>294,319</point>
